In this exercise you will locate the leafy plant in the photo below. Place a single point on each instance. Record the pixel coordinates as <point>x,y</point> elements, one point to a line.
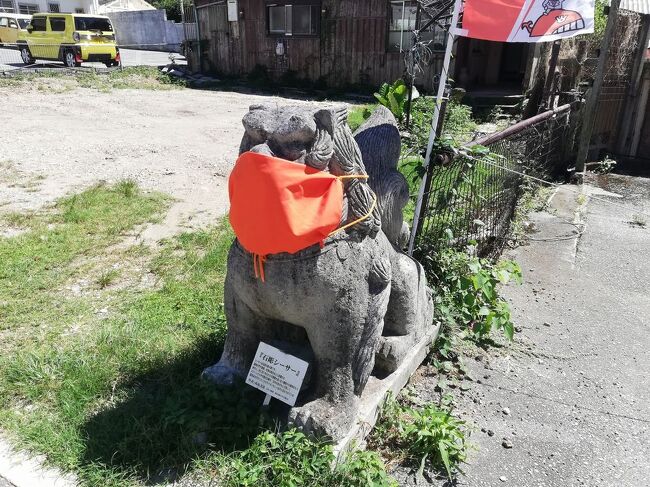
<point>394,97</point>
<point>429,434</point>
<point>292,459</point>
<point>467,290</point>
<point>605,166</point>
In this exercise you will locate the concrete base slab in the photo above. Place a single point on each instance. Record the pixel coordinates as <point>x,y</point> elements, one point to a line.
<point>377,390</point>
<point>24,470</point>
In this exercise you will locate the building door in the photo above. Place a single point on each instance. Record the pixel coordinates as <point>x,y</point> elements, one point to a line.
<point>494,65</point>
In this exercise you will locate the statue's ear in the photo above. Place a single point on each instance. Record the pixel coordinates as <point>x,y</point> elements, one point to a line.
<point>331,119</point>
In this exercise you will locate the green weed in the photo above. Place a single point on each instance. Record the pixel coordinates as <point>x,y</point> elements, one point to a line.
<point>394,97</point>
<point>127,187</point>
<point>428,434</point>
<point>467,292</point>
<point>106,278</point>
<point>291,459</point>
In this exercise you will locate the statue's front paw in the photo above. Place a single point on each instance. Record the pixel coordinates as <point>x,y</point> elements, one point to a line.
<point>323,419</point>
<point>221,375</point>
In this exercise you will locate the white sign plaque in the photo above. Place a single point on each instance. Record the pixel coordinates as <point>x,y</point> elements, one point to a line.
<point>276,373</point>
<point>233,15</point>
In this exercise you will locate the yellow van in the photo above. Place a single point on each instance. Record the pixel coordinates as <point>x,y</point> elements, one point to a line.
<point>71,38</point>
<point>11,25</point>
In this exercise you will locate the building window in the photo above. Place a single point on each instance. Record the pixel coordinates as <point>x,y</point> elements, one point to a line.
<point>404,18</point>
<point>27,8</point>
<point>79,11</point>
<point>53,7</point>
<point>6,6</point>
<point>293,20</point>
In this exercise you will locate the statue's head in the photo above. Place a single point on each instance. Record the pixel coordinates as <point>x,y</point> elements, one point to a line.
<point>320,138</point>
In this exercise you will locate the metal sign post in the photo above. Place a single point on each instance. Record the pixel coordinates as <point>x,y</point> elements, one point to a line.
<point>434,133</point>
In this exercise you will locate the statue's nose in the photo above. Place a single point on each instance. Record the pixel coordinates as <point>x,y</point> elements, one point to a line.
<point>262,149</point>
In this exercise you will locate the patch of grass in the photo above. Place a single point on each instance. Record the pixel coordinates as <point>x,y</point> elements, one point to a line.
<point>291,459</point>
<point>118,399</point>
<point>106,278</point>
<point>359,114</point>
<point>127,187</point>
<point>60,81</point>
<point>37,263</point>
<point>429,435</point>
<point>122,399</point>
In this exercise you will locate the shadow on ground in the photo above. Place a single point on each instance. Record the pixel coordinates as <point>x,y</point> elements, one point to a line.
<point>169,417</point>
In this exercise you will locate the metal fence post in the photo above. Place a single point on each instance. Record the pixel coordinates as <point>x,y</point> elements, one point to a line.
<point>594,94</point>
<point>435,128</point>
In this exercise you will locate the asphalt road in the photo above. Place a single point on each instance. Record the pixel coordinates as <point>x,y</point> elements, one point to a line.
<point>10,59</point>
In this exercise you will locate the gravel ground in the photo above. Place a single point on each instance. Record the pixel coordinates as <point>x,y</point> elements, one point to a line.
<point>571,397</point>
<point>182,142</point>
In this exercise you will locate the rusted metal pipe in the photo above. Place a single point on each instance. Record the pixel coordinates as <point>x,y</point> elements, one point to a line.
<point>520,126</point>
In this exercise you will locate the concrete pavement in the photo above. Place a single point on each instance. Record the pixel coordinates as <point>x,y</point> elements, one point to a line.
<point>570,398</point>
<point>577,384</point>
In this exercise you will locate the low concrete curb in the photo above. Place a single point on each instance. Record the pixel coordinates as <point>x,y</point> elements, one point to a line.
<point>23,470</point>
<point>377,390</point>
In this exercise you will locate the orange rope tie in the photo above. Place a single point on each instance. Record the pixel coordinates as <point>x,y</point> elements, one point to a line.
<point>358,220</point>
<point>258,266</point>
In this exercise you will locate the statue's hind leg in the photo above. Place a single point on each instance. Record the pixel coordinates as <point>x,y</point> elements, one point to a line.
<point>409,315</point>
<point>344,359</point>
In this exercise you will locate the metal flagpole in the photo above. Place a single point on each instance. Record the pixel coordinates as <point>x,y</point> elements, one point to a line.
<point>433,134</point>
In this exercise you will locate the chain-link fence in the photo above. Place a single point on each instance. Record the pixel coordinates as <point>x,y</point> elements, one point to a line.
<point>472,195</point>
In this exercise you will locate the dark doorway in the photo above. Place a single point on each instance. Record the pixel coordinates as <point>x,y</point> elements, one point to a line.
<point>486,64</point>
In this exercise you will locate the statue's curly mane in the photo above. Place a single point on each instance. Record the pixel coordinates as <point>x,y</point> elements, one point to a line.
<point>332,148</point>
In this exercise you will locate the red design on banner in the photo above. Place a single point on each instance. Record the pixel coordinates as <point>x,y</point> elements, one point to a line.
<point>555,22</point>
<point>526,20</point>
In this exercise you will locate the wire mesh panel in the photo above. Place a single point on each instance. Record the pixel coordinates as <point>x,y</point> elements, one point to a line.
<point>471,197</point>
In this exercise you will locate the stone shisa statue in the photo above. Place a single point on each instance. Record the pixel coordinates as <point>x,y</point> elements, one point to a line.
<point>355,301</point>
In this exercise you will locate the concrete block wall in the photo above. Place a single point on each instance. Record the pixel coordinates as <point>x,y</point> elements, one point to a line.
<point>147,29</point>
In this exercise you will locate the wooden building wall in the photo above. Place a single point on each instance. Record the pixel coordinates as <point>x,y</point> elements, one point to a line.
<point>351,47</point>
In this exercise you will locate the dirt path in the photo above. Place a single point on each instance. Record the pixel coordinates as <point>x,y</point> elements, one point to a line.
<point>182,142</point>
